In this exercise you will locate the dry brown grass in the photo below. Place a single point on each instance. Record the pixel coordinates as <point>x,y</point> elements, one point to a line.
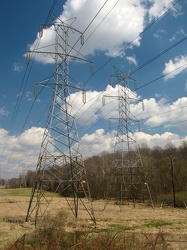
<point>142,219</point>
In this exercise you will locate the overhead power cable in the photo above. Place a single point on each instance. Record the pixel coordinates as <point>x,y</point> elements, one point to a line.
<point>102,21</point>
<point>162,76</point>
<point>87,28</point>
<point>164,113</point>
<point>157,56</point>
<point>18,101</point>
<point>125,46</point>
<point>36,46</point>
<point>152,81</point>
<point>95,16</point>
<point>22,91</point>
<point>131,42</point>
<point>50,11</point>
<point>159,105</point>
<point>150,60</point>
<point>171,123</point>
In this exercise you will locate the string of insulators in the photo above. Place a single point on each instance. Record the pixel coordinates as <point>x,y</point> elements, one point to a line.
<point>82,40</point>
<point>83,96</point>
<point>35,91</point>
<point>41,32</point>
<point>28,56</point>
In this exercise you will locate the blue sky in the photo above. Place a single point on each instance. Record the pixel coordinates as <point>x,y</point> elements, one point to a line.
<point>117,33</point>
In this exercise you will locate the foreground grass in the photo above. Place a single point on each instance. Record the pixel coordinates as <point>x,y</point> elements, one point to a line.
<point>13,209</point>
<point>132,228</point>
<point>51,235</point>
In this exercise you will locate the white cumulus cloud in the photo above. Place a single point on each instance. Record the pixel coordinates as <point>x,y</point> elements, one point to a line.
<point>160,140</point>
<point>108,31</point>
<point>175,67</point>
<point>20,153</point>
<point>104,105</point>
<point>97,142</point>
<point>158,7</point>
<point>132,59</point>
<point>17,67</point>
<point>163,114</point>
<point>101,104</point>
<point>3,111</point>
<point>108,26</point>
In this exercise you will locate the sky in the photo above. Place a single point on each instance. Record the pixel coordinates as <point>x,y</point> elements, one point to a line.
<point>143,39</point>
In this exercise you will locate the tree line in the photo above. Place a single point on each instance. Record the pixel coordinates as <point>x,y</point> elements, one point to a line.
<point>164,169</point>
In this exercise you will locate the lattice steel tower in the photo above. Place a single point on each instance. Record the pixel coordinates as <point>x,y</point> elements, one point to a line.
<point>127,169</point>
<point>60,164</point>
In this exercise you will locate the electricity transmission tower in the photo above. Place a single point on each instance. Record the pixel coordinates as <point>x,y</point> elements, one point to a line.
<point>127,173</point>
<point>60,165</point>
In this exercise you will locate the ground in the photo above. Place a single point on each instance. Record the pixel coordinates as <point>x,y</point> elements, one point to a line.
<point>141,218</point>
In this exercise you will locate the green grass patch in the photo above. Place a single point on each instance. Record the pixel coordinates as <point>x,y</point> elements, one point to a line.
<point>23,192</point>
<point>104,220</point>
<point>157,223</point>
<point>118,227</point>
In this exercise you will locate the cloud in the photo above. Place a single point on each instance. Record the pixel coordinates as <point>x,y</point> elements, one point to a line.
<point>166,115</point>
<point>132,59</point>
<point>159,33</point>
<point>99,104</point>
<point>20,153</point>
<point>108,31</point>
<point>100,141</point>
<point>178,34</point>
<point>17,67</point>
<point>175,67</point>
<point>3,111</point>
<point>158,8</point>
<point>29,96</point>
<point>97,142</point>
<point>103,105</point>
<point>160,140</point>
<point>108,26</point>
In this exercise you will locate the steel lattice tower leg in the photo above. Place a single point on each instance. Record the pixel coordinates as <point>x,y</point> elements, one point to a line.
<point>60,164</point>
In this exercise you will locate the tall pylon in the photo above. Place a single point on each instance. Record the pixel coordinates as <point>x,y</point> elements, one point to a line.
<point>127,172</point>
<point>60,165</point>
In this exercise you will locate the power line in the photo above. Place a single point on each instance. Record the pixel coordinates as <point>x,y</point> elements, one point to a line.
<point>90,106</point>
<point>22,90</point>
<point>160,77</point>
<point>138,35</point>
<point>152,59</point>
<point>157,56</point>
<point>166,112</point>
<point>152,81</point>
<point>131,42</point>
<point>102,21</point>
<point>172,123</point>
<point>89,25</point>
<point>50,11</point>
<point>116,55</point>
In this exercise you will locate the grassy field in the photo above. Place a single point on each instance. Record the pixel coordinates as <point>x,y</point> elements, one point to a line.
<point>139,219</point>
<point>13,208</point>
